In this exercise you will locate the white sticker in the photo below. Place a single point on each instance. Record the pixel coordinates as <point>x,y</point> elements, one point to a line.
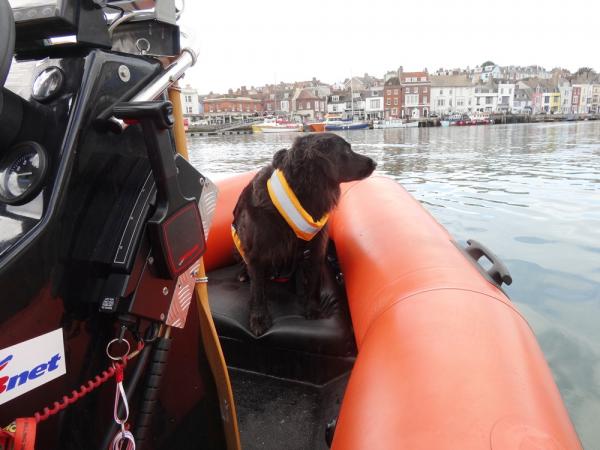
<point>30,364</point>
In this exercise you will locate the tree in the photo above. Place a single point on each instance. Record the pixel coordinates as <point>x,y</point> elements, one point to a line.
<point>584,71</point>
<point>488,63</point>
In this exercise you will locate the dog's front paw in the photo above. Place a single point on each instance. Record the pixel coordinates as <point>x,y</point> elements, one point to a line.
<point>260,323</point>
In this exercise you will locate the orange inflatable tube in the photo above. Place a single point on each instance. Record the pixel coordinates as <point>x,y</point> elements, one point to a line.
<point>445,360</point>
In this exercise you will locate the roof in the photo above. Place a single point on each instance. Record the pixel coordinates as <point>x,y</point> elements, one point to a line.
<point>306,94</point>
<point>394,81</point>
<point>450,81</point>
<point>231,99</point>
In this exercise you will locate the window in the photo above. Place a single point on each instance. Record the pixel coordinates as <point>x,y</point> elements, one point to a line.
<point>440,102</point>
<point>411,100</point>
<point>423,78</point>
<point>425,100</point>
<point>460,102</point>
<point>333,108</point>
<point>450,92</point>
<point>389,92</point>
<point>407,90</point>
<point>188,98</point>
<point>395,101</point>
<point>211,109</point>
<point>394,111</point>
<point>335,98</point>
<point>488,100</point>
<point>425,90</point>
<point>450,102</point>
<point>388,101</point>
<point>269,107</point>
<point>501,90</point>
<point>307,105</point>
<point>374,104</point>
<point>441,92</point>
<point>284,105</point>
<point>395,91</point>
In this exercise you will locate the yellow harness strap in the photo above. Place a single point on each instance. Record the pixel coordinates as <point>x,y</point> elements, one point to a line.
<point>237,242</point>
<point>290,208</point>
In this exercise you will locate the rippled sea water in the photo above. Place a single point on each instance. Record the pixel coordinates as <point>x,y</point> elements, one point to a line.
<point>530,192</point>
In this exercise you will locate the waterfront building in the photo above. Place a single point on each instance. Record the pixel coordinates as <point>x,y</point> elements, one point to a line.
<point>336,103</point>
<point>486,97</point>
<point>452,94</point>
<point>306,105</point>
<point>221,110</point>
<point>566,92</point>
<point>545,95</point>
<point>506,97</point>
<point>191,103</point>
<point>522,103</point>
<point>576,95</point>
<point>586,96</point>
<point>416,92</point>
<point>392,96</point>
<point>374,103</point>
<point>595,99</point>
<point>278,103</point>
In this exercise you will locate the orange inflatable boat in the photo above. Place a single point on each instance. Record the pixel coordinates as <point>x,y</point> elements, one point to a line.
<point>443,359</point>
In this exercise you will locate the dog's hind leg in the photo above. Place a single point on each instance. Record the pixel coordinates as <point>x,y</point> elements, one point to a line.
<point>260,318</point>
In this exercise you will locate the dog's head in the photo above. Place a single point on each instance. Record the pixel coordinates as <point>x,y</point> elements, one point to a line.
<point>327,154</point>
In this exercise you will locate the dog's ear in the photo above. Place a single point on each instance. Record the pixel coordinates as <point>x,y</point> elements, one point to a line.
<point>279,158</point>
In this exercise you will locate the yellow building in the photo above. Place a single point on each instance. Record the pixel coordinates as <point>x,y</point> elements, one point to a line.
<point>554,101</point>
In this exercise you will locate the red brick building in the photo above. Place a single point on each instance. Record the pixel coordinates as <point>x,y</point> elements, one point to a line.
<point>228,109</point>
<point>392,98</point>
<point>416,91</point>
<point>308,105</point>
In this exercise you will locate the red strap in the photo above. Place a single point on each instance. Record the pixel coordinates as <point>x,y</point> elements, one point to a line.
<point>24,435</point>
<point>119,373</point>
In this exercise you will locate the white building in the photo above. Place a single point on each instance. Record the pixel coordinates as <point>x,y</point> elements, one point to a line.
<point>452,94</point>
<point>374,103</point>
<point>506,97</point>
<point>191,101</point>
<point>487,73</point>
<point>566,97</point>
<point>585,98</point>
<point>486,97</point>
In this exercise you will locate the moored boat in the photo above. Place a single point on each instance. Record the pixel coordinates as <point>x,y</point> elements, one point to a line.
<point>106,282</point>
<point>341,125</point>
<point>316,126</point>
<point>395,123</point>
<point>434,333</point>
<point>274,125</point>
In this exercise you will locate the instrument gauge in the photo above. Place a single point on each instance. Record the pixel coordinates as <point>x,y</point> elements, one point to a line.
<point>23,170</point>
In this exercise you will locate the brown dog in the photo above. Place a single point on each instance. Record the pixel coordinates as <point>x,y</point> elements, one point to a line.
<point>279,219</point>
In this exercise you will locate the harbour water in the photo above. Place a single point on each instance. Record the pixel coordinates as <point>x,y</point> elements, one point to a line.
<point>530,192</point>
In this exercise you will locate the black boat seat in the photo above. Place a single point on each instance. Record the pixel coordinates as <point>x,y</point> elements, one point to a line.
<point>330,335</point>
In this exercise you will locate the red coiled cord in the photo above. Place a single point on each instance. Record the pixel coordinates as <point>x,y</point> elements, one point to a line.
<point>85,388</point>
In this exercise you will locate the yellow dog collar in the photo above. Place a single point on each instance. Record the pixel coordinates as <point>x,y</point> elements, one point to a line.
<point>290,208</point>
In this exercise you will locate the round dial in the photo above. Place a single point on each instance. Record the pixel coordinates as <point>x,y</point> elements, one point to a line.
<point>22,172</point>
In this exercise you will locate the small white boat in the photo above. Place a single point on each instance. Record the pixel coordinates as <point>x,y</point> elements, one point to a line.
<point>394,123</point>
<point>272,125</point>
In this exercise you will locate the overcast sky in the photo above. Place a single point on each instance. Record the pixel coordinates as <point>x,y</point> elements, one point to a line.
<point>256,42</point>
